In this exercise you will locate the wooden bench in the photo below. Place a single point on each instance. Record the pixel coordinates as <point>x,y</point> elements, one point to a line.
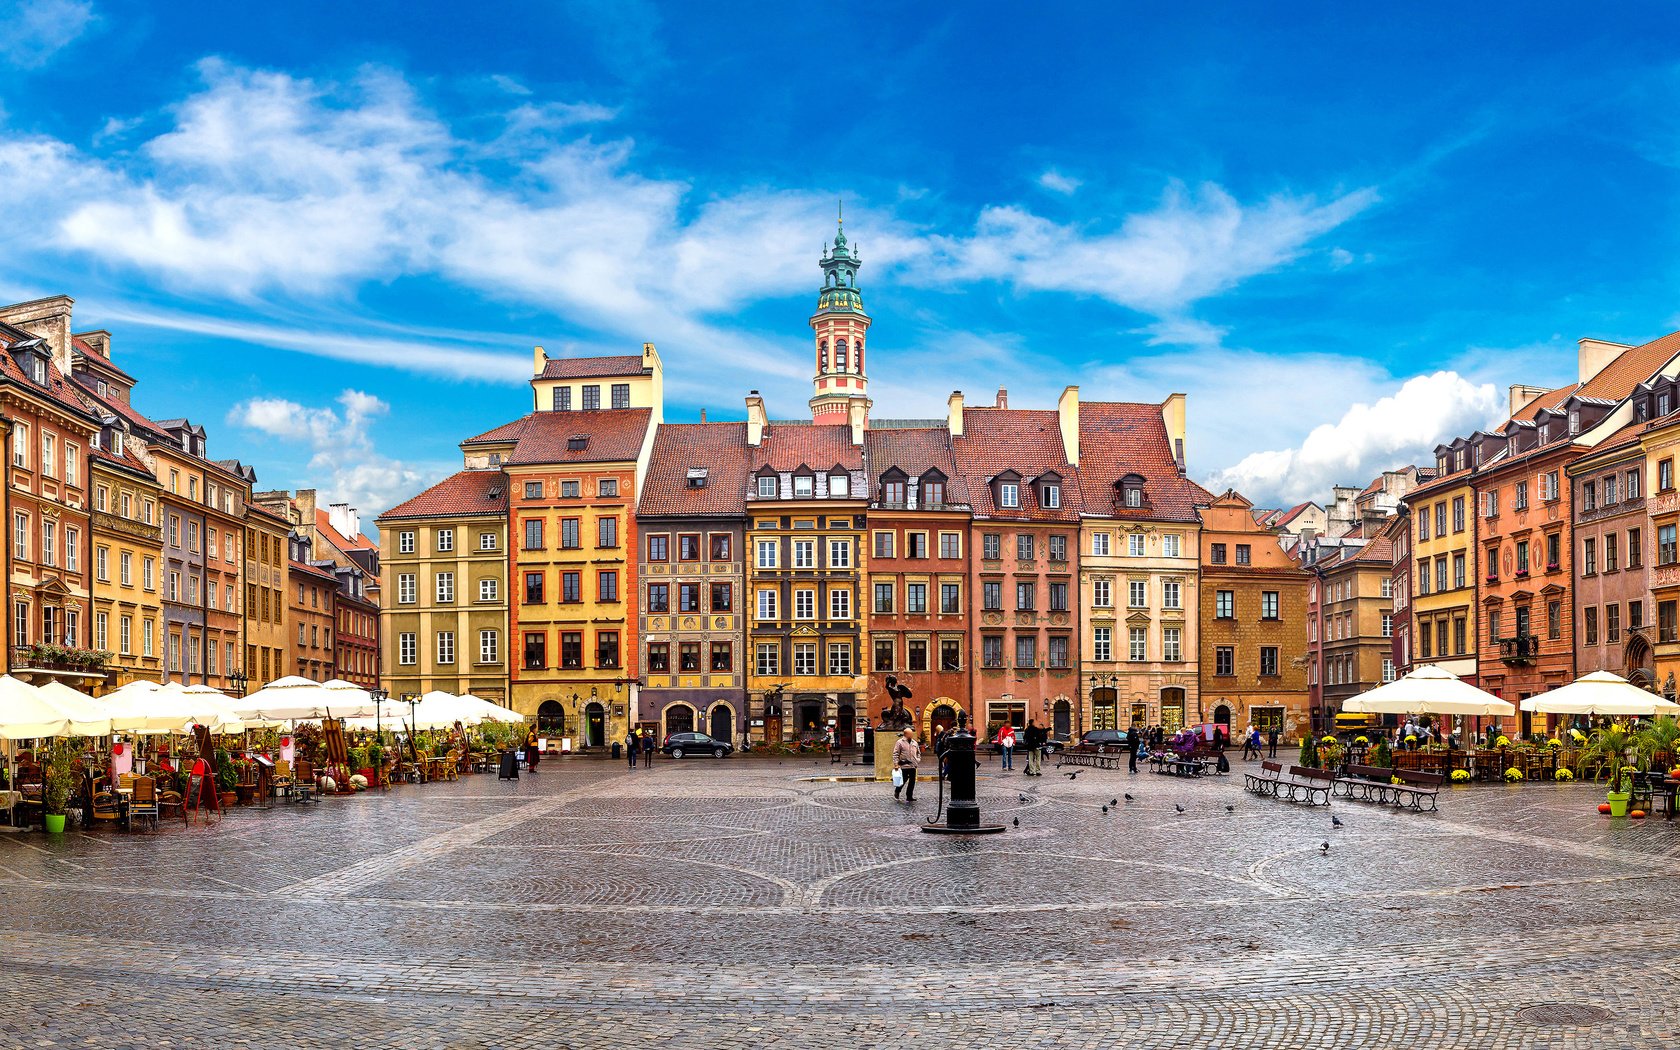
<point>1179,767</point>
<point>1365,783</point>
<point>1306,784</point>
<point>1266,781</point>
<point>1415,788</point>
<point>1096,760</point>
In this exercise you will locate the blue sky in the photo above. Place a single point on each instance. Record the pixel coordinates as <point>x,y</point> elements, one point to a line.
<point>1343,231</point>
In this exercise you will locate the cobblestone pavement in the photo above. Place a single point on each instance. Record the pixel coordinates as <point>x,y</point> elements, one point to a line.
<point>743,904</point>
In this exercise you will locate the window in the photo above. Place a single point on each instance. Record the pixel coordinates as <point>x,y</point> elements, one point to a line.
<point>767,486</point>
<point>569,534</point>
<point>571,586</point>
<point>148,574</point>
<point>1608,489</point>
<point>1388,625</point>
<point>1102,645</point>
<point>1666,627</point>
<point>1025,593</point>
<point>606,585</point>
<point>446,647</point>
<point>1172,644</point>
<point>534,589</point>
<point>606,649</point>
<point>688,547</point>
<point>445,588</point>
<point>125,634</point>
<point>406,590</point>
<point>840,551</point>
<point>405,542</point>
<point>1026,651</point>
<point>533,490</point>
<point>1224,660</point>
<point>1490,503</point>
<point>1245,554</point>
<point>804,604</point>
<point>723,657</point>
<point>1052,496</point>
<point>1058,651</point>
<point>20,447</point>
<point>767,554</point>
<point>1058,548</point>
<point>1440,573</point>
<point>915,598</point>
<point>991,595</point>
<point>591,397</point>
<point>1520,501</point>
<point>722,545</point>
<point>1458,509</point>
<point>991,546</point>
<point>804,658</point>
<point>489,647</point>
<point>840,604</point>
<point>933,493</point>
<point>1138,644</point>
<point>1268,605</point>
<point>884,544</point>
<point>1099,544</point>
<point>48,444</point>
<point>1635,548</point>
<point>1216,554</point>
<point>885,654</point>
<point>1666,554</point>
<point>125,569</point>
<point>1134,545</point>
<point>1554,619</point>
<point>804,486</point>
<point>488,589</point>
<point>1009,494</point>
<point>1170,545</point>
<point>1137,594</point>
<point>950,654</point>
<point>571,489</point>
<point>621,395</point>
<point>1610,552</point>
<point>1632,484</point>
<point>804,554</point>
<point>571,649</point>
<point>1225,605</point>
<point>1100,597</point>
<point>991,651</point>
<point>1024,547</point>
<point>1458,570</point>
<point>950,598</point>
<point>768,658</point>
<point>446,540</point>
<point>1493,627</point>
<point>1172,594</point>
<point>723,597</point>
<point>840,658</point>
<point>101,564</point>
<point>1590,615</point>
<point>915,545</point>
<point>1268,661</point>
<point>1058,597</point>
<point>1613,623</point>
<point>1589,556</point>
<point>606,532</point>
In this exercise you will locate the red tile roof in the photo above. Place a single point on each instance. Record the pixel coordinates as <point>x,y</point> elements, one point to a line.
<point>593,367</point>
<point>614,436</point>
<point>718,448</point>
<point>915,451</point>
<point>298,566</point>
<point>118,407</point>
<point>1117,438</point>
<point>324,527</point>
<point>468,493</point>
<point>1027,441</point>
<point>98,358</point>
<point>501,435</point>
<point>788,445</point>
<point>254,508</point>
<point>58,388</point>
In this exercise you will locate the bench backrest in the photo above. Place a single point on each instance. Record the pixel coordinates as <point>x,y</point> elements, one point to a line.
<point>1421,779</point>
<point>1274,768</point>
<point>1378,773</point>
<point>1309,773</point>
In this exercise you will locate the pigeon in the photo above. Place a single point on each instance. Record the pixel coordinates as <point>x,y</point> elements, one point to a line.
<point>1016,822</point>
<point>1324,847</point>
<point>1114,802</point>
<point>1130,799</point>
<point>1178,807</point>
<point>1335,821</point>
<point>1025,799</point>
<point>1075,773</point>
<point>1230,809</point>
<point>1105,809</point>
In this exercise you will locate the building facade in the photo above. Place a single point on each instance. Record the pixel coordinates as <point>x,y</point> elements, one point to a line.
<point>1442,625</point>
<point>1612,592</point>
<point>445,626</point>
<point>266,576</point>
<point>1254,623</point>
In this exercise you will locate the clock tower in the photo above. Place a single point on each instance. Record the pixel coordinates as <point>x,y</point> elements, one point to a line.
<point>840,327</point>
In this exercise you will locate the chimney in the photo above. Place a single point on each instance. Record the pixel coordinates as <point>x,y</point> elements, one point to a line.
<point>98,340</point>
<point>954,413</point>
<point>305,500</point>
<point>345,519</point>
<point>1172,415</point>
<point>1002,398</point>
<point>1067,414</point>
<point>539,358</point>
<point>1523,396</point>
<point>756,419</point>
<point>702,415</point>
<point>1595,354</point>
<point>649,355</point>
<point>857,414</point>
<point>47,319</point>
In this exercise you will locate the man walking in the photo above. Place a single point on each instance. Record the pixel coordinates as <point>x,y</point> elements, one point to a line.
<point>1271,741</point>
<point>906,754</point>
<point>1131,748</point>
<point>647,749</point>
<point>1035,748</point>
<point>630,746</point>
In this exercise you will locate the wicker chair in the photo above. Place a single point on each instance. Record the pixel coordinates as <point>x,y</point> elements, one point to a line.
<point>144,802</point>
<point>107,805</point>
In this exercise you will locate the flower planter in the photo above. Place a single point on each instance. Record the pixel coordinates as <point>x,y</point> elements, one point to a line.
<point>228,798</point>
<point>1618,801</point>
<point>54,823</point>
<point>245,793</point>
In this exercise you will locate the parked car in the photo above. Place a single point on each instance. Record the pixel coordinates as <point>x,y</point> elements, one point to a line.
<point>680,745</point>
<point>1051,745</point>
<point>1102,741</point>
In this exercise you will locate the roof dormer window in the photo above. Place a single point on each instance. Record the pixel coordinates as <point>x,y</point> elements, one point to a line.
<point>767,486</point>
<point>697,477</point>
<point>804,486</point>
<point>839,485</point>
<point>1050,496</point>
<point>1009,494</point>
<point>1662,403</point>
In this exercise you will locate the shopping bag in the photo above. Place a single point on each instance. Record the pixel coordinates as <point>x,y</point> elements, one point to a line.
<point>898,778</point>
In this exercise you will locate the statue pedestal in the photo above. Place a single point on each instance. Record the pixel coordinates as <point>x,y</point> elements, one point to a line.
<point>884,742</point>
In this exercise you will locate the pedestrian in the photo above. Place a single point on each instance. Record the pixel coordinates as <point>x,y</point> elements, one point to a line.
<point>1271,741</point>
<point>1248,740</point>
<point>647,749</point>
<point>630,746</point>
<point>1006,746</point>
<point>1034,740</point>
<point>1132,741</point>
<point>906,753</point>
<point>531,755</point>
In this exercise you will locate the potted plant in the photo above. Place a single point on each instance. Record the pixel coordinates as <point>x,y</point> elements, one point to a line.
<point>376,764</point>
<point>1606,753</point>
<point>227,781</point>
<point>58,782</point>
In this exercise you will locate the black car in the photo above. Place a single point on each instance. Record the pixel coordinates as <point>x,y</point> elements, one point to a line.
<point>1103,741</point>
<point>680,745</point>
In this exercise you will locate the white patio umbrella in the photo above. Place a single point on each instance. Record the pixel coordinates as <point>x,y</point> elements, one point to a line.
<point>434,710</point>
<point>492,711</point>
<point>172,708</point>
<point>1599,693</point>
<point>290,698</point>
<point>1429,690</point>
<point>88,716</point>
<point>25,714</point>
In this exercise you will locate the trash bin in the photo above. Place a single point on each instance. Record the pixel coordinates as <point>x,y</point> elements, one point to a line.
<point>509,769</point>
<point>618,750</point>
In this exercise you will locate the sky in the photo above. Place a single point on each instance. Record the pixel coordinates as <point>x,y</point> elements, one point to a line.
<point>333,234</point>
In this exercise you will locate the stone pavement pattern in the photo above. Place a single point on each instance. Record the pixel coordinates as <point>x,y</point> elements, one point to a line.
<point>739,904</point>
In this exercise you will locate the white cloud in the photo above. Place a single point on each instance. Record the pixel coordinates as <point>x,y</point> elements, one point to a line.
<point>1056,182</point>
<point>1395,430</point>
<point>32,32</point>
<point>343,460</point>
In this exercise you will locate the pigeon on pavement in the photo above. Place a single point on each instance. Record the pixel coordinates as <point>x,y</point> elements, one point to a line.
<point>1130,799</point>
<point>1075,773</point>
<point>1324,847</point>
<point>1178,807</point>
<point>1335,821</point>
<point>1016,822</point>
<point>1105,809</point>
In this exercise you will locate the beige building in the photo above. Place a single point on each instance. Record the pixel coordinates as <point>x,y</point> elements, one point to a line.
<point>445,620</point>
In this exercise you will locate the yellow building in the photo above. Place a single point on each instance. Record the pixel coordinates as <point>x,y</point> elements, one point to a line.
<point>266,573</point>
<point>127,548</point>
<point>445,619</point>
<point>806,506</point>
<point>1656,643</point>
<point>1442,566</point>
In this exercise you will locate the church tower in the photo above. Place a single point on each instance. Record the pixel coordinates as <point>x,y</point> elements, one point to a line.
<point>839,326</point>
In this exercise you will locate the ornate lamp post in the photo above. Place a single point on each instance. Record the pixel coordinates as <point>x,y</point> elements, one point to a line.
<point>239,682</point>
<point>379,696</point>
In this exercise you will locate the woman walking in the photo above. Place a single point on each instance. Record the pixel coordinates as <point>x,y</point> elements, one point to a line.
<point>531,757</point>
<point>906,754</point>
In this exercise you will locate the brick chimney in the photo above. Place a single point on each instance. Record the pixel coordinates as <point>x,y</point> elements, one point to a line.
<point>47,319</point>
<point>1002,398</point>
<point>756,419</point>
<point>954,413</point>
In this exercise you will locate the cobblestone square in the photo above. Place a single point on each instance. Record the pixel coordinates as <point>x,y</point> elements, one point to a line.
<point>744,903</point>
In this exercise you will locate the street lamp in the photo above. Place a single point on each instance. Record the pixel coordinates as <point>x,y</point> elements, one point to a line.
<point>379,695</point>
<point>239,682</point>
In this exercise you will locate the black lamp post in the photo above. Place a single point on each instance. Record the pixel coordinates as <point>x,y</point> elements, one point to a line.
<point>239,682</point>
<point>379,696</point>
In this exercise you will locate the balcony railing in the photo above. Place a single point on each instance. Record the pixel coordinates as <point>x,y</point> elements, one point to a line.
<point>1519,650</point>
<point>59,658</point>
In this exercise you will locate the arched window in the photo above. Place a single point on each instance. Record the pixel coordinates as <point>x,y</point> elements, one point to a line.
<point>839,355</point>
<point>822,356</point>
